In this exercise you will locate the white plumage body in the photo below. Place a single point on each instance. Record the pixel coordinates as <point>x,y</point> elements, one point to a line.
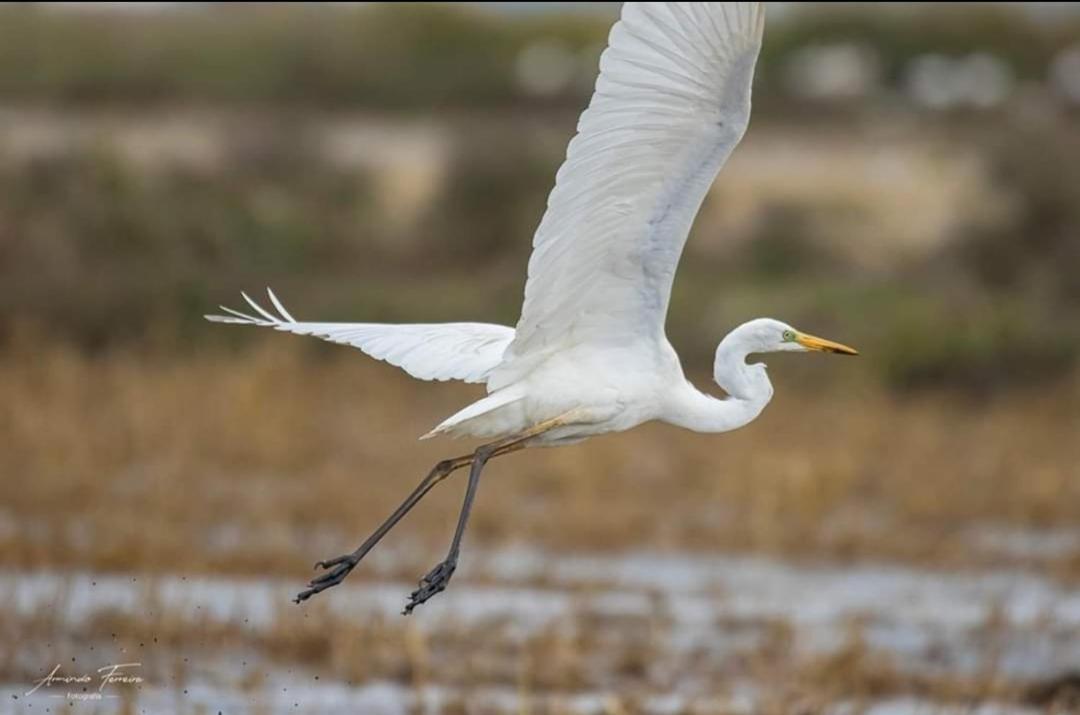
<point>608,389</point>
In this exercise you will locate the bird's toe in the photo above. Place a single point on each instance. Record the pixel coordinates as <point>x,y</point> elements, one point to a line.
<point>434,582</point>
<point>336,571</point>
<point>344,558</point>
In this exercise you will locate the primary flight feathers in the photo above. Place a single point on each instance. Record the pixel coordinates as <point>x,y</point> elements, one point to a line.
<point>427,351</point>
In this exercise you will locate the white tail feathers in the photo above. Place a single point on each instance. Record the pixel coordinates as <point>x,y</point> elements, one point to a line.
<point>456,424</point>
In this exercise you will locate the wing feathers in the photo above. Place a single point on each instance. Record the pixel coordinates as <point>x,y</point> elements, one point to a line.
<point>278,306</point>
<point>671,102</point>
<point>437,351</point>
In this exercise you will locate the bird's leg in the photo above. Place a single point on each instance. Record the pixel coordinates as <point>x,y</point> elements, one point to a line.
<point>340,567</point>
<point>436,580</point>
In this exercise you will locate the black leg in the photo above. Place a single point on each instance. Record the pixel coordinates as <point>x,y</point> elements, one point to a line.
<point>437,579</point>
<point>340,567</point>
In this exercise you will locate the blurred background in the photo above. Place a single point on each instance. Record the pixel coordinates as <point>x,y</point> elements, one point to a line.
<point>897,533</point>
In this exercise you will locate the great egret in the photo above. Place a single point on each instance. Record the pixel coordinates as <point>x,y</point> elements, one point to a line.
<point>589,354</point>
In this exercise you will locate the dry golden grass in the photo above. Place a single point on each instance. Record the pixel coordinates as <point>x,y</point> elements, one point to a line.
<point>259,461</point>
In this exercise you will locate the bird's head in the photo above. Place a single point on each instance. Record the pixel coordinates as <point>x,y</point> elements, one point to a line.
<point>766,335</point>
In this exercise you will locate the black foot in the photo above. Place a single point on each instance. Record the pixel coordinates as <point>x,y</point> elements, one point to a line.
<point>339,569</point>
<point>435,582</point>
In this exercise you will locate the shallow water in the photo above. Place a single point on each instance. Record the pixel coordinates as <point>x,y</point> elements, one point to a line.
<point>926,622</point>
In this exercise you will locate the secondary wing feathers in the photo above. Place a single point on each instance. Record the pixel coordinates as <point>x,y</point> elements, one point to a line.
<point>435,351</point>
<point>671,103</point>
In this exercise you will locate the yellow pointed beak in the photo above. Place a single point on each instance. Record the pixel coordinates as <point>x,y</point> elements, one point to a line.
<point>811,342</point>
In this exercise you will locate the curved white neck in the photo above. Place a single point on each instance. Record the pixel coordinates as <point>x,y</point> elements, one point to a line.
<point>748,388</point>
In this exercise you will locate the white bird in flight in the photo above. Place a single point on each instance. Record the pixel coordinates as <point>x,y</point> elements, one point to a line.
<point>589,354</point>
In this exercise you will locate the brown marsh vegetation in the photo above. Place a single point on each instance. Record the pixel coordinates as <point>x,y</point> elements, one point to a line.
<point>242,462</point>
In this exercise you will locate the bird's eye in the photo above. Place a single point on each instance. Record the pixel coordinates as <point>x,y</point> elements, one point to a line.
<point>789,335</point>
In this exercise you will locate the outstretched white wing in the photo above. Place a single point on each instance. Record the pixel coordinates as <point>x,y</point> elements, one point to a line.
<point>435,351</point>
<point>671,102</point>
